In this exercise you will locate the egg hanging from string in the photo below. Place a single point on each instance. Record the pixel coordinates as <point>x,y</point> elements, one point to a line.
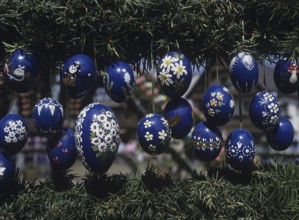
<point>206,141</point>
<point>282,136</point>
<point>218,105</point>
<point>244,72</point>
<point>178,113</point>
<point>153,133</point>
<point>119,81</point>
<point>264,111</point>
<point>78,75</point>
<point>174,74</point>
<point>7,173</point>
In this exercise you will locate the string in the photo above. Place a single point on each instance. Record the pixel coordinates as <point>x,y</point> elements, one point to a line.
<point>152,77</point>
<point>264,76</point>
<point>217,68</point>
<point>240,110</point>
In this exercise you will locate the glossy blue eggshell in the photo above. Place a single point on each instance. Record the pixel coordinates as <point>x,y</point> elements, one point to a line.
<point>178,113</point>
<point>153,133</point>
<point>244,72</point>
<point>7,172</point>
<point>218,105</point>
<point>62,154</point>
<point>97,137</point>
<point>240,149</point>
<point>78,75</point>
<point>281,137</point>
<point>174,74</point>
<point>13,133</point>
<point>48,116</point>
<point>264,111</point>
<point>119,81</point>
<point>206,141</point>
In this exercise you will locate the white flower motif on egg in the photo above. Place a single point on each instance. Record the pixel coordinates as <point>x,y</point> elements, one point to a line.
<point>162,135</point>
<point>167,62</point>
<point>147,124</point>
<point>148,136</point>
<point>165,78</point>
<point>179,69</point>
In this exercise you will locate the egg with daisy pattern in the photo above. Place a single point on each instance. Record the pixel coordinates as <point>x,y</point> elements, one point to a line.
<point>264,111</point>
<point>174,74</point>
<point>97,137</point>
<point>153,133</point>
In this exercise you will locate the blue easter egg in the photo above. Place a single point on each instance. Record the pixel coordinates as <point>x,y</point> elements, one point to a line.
<point>63,153</point>
<point>240,149</point>
<point>244,72</point>
<point>13,133</point>
<point>21,71</point>
<point>7,173</point>
<point>206,141</point>
<point>97,137</point>
<point>218,105</point>
<point>78,75</point>
<point>282,136</point>
<point>48,116</point>
<point>286,76</point>
<point>174,74</point>
<point>153,133</point>
<point>119,81</point>
<point>264,111</point>
<point>178,113</point>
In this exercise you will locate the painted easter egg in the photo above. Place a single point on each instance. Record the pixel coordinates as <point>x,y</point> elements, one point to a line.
<point>178,113</point>
<point>282,136</point>
<point>218,105</point>
<point>48,116</point>
<point>119,81</point>
<point>97,137</point>
<point>21,71</point>
<point>7,172</point>
<point>264,111</point>
<point>244,72</point>
<point>286,76</point>
<point>78,75</point>
<point>13,133</point>
<point>174,74</point>
<point>62,153</point>
<point>206,141</point>
<point>240,149</point>
<point>153,133</point>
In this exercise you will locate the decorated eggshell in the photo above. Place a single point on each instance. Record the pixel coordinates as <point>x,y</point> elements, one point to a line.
<point>63,153</point>
<point>7,172</point>
<point>240,149</point>
<point>77,75</point>
<point>97,137</point>
<point>174,74</point>
<point>286,76</point>
<point>206,141</point>
<point>119,81</point>
<point>218,105</point>
<point>281,137</point>
<point>178,113</point>
<point>244,72</point>
<point>264,111</point>
<point>48,116</point>
<point>13,133</point>
<point>21,71</point>
<point>153,133</point>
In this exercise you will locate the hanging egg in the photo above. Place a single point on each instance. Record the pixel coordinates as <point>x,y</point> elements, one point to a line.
<point>13,133</point>
<point>218,105</point>
<point>178,113</point>
<point>244,72</point>
<point>286,76</point>
<point>21,71</point>
<point>48,116</point>
<point>264,111</point>
<point>174,74</point>
<point>78,75</point>
<point>63,153</point>
<point>282,136</point>
<point>119,81</point>
<point>97,137</point>
<point>240,149</point>
<point>153,133</point>
<point>206,141</point>
<point>7,173</point>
